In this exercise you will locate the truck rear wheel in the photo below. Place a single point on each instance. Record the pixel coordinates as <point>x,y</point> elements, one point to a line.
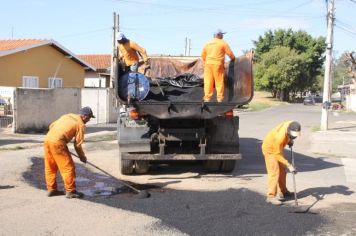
<point>212,165</point>
<point>126,166</point>
<point>228,165</point>
<point>141,167</point>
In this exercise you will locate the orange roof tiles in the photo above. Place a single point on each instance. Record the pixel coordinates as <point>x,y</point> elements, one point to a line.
<point>18,43</point>
<point>99,61</point>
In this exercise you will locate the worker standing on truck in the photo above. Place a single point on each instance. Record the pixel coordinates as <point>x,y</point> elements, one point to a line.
<point>272,148</point>
<point>56,153</point>
<point>129,53</point>
<point>213,56</point>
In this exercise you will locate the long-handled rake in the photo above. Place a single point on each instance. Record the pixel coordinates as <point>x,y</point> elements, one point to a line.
<point>140,193</point>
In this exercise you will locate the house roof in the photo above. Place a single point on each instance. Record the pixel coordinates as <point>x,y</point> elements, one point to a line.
<point>100,61</point>
<point>11,46</point>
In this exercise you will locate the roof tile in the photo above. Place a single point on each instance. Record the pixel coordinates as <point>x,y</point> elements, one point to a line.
<point>99,61</point>
<point>9,44</point>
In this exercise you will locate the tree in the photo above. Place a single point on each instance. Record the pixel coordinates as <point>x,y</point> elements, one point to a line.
<point>280,71</point>
<point>344,70</point>
<point>306,55</point>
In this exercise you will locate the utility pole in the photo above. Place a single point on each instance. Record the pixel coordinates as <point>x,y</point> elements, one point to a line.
<point>328,65</point>
<point>189,47</point>
<point>185,46</point>
<point>114,53</point>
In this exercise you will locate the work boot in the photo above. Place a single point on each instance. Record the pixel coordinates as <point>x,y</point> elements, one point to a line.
<point>55,193</point>
<point>74,194</point>
<point>285,196</point>
<point>274,201</point>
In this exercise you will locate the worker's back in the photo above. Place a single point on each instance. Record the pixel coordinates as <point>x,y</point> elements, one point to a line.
<point>276,139</point>
<point>65,128</point>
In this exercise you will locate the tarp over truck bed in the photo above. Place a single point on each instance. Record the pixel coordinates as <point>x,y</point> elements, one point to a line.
<point>188,102</point>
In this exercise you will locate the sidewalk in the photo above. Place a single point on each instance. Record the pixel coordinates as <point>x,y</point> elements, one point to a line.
<point>340,138</point>
<point>16,141</point>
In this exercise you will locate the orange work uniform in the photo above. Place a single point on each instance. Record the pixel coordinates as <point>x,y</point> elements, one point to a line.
<point>57,155</point>
<point>272,148</point>
<point>129,52</point>
<point>213,55</point>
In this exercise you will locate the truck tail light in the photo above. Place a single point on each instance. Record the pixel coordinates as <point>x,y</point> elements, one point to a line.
<point>134,114</point>
<point>229,114</point>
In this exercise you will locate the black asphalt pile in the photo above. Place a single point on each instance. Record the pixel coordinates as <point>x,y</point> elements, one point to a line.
<point>231,212</point>
<point>175,94</point>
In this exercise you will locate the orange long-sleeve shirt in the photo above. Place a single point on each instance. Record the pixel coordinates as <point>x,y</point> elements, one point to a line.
<point>128,52</point>
<point>64,129</point>
<point>214,52</point>
<point>276,140</point>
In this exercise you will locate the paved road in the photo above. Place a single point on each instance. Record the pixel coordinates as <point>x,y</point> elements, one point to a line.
<point>185,200</point>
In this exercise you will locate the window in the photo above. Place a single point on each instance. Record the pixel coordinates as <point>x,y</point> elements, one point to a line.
<point>55,82</point>
<point>30,81</point>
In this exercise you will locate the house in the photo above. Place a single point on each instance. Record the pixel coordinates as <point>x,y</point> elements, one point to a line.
<point>40,63</point>
<point>101,77</point>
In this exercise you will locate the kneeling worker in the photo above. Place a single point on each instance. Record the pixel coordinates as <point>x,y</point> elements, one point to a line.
<point>57,156</point>
<point>272,148</point>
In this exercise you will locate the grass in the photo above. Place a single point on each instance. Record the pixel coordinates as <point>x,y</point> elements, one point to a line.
<point>12,148</point>
<point>315,129</point>
<point>263,100</point>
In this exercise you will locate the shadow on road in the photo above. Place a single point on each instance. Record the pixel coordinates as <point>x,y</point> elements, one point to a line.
<point>322,191</point>
<point>230,212</point>
<point>18,141</point>
<point>253,161</point>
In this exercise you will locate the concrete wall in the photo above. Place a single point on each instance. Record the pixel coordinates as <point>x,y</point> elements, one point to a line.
<point>103,103</point>
<point>43,62</point>
<point>35,109</point>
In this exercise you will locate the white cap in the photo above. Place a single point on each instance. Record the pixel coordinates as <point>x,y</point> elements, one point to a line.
<point>219,31</point>
<point>120,36</point>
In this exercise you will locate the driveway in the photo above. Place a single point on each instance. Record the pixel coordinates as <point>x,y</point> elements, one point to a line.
<point>184,200</point>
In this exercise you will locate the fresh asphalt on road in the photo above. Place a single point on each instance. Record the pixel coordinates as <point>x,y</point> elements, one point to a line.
<point>208,204</point>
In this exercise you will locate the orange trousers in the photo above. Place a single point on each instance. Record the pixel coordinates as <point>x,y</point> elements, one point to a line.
<point>57,157</point>
<point>213,74</point>
<point>276,173</point>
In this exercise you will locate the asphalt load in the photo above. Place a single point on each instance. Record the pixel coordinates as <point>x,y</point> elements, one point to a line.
<point>244,212</point>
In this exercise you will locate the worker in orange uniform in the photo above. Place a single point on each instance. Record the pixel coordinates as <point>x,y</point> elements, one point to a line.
<point>129,53</point>
<point>213,56</point>
<point>57,155</point>
<point>272,148</point>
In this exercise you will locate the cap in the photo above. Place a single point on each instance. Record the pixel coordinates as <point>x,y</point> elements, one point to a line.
<point>219,31</point>
<point>294,129</point>
<point>86,111</point>
<point>120,36</point>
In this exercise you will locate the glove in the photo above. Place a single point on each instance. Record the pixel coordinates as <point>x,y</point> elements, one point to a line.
<point>147,66</point>
<point>290,143</point>
<point>83,159</point>
<point>292,169</point>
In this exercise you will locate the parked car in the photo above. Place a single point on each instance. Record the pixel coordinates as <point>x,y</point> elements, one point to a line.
<point>3,102</point>
<point>312,99</point>
<point>309,100</point>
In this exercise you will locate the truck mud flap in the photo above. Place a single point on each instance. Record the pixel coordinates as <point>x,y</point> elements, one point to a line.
<point>156,157</point>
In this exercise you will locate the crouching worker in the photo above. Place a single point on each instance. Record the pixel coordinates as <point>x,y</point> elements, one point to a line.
<point>56,153</point>
<point>272,148</point>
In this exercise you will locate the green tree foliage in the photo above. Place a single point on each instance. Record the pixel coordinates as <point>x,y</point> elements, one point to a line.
<point>288,61</point>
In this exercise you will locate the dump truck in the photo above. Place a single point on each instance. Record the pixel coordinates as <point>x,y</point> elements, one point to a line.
<point>163,116</point>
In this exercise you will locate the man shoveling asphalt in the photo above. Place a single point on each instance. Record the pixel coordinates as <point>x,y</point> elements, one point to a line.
<point>57,156</point>
<point>272,148</point>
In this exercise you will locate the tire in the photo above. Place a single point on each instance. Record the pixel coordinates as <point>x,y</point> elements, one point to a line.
<point>228,165</point>
<point>212,166</point>
<point>126,166</point>
<point>141,167</point>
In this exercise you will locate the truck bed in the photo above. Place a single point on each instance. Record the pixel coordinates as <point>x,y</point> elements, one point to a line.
<point>187,102</point>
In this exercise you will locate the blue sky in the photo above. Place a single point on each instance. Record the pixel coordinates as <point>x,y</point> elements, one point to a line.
<point>161,26</point>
